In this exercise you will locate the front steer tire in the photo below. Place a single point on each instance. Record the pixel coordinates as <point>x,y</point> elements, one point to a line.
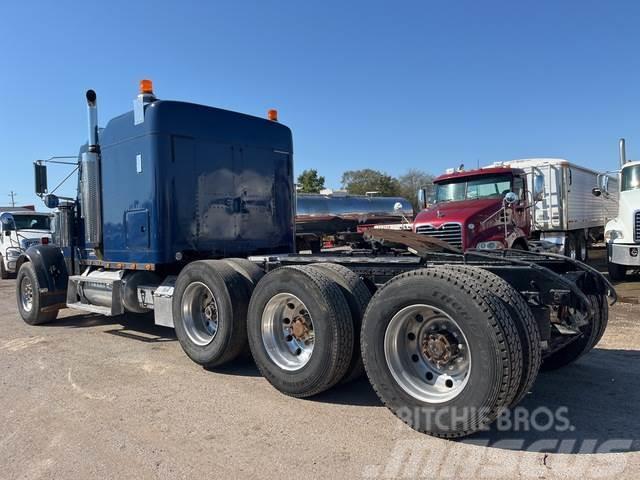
<point>4,273</point>
<point>491,337</point>
<point>28,297</point>
<point>210,304</point>
<point>617,272</point>
<point>316,353</point>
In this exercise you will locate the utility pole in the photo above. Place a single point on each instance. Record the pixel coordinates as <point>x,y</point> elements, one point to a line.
<point>13,196</point>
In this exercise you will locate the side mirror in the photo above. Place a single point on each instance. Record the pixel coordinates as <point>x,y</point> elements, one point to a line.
<point>422,198</point>
<point>596,192</point>
<point>538,188</point>
<point>40,175</point>
<point>8,223</point>
<point>51,201</point>
<point>510,198</point>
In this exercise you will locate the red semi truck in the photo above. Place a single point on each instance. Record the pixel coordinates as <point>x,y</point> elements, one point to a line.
<point>543,204</point>
<point>486,208</point>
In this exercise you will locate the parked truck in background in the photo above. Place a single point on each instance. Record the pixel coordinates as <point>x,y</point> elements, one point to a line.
<point>551,207</point>
<point>20,230</point>
<point>622,233</point>
<point>187,211</point>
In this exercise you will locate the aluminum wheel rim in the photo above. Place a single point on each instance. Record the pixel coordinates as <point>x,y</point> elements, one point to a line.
<point>199,313</point>
<point>427,353</point>
<point>287,331</point>
<point>26,294</point>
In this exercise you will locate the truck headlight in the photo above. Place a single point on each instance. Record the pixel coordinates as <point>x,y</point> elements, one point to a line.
<point>13,254</point>
<point>490,245</point>
<point>611,235</point>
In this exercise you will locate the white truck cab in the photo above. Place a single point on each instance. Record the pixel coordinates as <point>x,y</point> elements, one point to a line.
<point>20,230</point>
<point>622,233</point>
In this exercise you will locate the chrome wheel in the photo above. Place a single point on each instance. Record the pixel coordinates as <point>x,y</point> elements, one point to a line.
<point>199,313</point>
<point>26,294</point>
<point>287,331</point>
<point>427,353</point>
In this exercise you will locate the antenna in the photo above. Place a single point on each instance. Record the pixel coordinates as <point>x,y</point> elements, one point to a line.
<point>13,196</point>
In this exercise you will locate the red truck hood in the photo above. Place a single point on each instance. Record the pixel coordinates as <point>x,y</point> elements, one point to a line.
<point>458,211</point>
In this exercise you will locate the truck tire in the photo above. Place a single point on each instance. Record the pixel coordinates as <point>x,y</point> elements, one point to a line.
<point>525,322</point>
<point>603,320</point>
<point>617,273</point>
<point>591,335</point>
<point>571,247</point>
<point>249,270</point>
<point>300,330</point>
<point>4,273</point>
<point>28,297</point>
<point>209,310</point>
<point>357,296</point>
<point>583,247</point>
<point>441,353</point>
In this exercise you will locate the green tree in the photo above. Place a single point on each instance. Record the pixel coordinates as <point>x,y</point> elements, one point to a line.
<point>413,180</point>
<point>359,182</point>
<point>310,182</point>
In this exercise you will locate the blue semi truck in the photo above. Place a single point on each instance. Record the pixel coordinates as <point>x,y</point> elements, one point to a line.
<point>187,211</point>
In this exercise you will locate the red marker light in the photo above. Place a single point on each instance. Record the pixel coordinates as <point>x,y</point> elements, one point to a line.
<point>45,240</point>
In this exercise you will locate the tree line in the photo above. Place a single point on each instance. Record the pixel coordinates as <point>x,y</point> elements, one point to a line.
<point>361,182</point>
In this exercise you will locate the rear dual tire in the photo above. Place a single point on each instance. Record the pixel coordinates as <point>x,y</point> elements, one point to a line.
<point>422,323</point>
<point>589,338</point>
<point>300,330</point>
<point>210,304</point>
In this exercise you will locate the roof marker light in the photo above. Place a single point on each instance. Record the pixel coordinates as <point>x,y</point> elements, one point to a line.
<point>272,115</point>
<point>146,86</point>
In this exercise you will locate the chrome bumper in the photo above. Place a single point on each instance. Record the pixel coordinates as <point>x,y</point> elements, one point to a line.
<point>622,254</point>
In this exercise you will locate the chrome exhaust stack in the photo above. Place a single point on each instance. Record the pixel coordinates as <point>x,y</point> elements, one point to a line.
<point>623,153</point>
<point>90,187</point>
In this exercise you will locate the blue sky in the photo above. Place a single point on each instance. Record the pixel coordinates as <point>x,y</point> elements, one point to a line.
<point>375,84</point>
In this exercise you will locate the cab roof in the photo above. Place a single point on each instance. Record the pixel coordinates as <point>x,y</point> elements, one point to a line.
<point>479,172</point>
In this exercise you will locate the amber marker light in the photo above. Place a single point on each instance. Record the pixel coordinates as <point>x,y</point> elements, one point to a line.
<point>146,86</point>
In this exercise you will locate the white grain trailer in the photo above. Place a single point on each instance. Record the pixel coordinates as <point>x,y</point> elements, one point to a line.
<point>567,216</point>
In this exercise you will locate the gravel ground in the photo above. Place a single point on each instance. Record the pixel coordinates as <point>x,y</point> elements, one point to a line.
<point>92,397</point>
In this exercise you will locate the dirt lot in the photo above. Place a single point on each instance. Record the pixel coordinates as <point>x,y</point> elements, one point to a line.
<point>91,397</point>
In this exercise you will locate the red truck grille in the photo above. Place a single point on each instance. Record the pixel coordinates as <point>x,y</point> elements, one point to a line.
<point>449,232</point>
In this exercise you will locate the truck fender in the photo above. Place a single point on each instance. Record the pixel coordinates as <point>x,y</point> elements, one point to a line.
<point>51,271</point>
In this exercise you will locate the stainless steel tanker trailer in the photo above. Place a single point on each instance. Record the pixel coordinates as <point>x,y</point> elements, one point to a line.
<point>338,219</point>
<point>187,211</point>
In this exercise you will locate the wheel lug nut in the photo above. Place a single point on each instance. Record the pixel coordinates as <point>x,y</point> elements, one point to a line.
<point>289,338</point>
<point>287,321</point>
<point>411,336</point>
<point>298,351</point>
<point>414,357</point>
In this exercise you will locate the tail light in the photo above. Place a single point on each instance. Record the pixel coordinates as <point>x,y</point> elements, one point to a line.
<point>45,241</point>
